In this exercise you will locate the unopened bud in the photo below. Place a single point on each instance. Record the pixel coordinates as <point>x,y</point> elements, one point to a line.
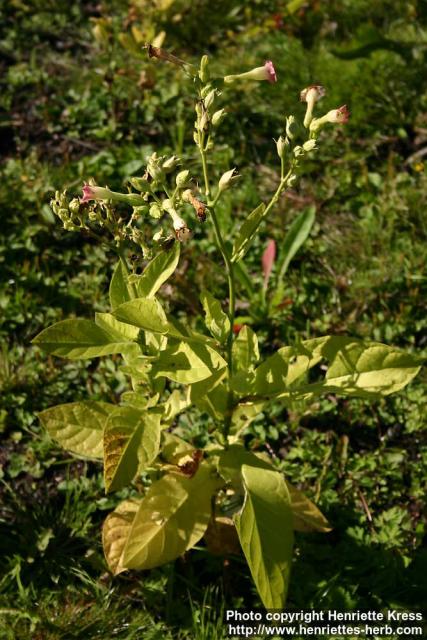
<point>155,211</point>
<point>141,184</point>
<point>208,101</point>
<point>282,146</point>
<point>182,178</point>
<point>74,206</point>
<point>218,117</point>
<point>298,151</point>
<point>170,164</point>
<point>291,127</point>
<point>227,179</point>
<point>309,145</point>
<point>203,70</point>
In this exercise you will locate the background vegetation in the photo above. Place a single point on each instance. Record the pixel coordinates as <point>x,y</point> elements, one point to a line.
<point>79,98</point>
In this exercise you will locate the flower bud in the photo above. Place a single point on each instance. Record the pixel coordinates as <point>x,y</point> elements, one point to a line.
<point>202,123</point>
<point>291,127</point>
<point>218,117</point>
<point>208,101</point>
<point>170,164</point>
<point>74,206</point>
<point>203,70</point>
<point>282,146</point>
<point>298,151</point>
<point>267,72</point>
<point>182,178</point>
<point>155,211</point>
<point>227,179</point>
<point>141,184</point>
<point>168,206</point>
<point>291,180</point>
<point>309,145</point>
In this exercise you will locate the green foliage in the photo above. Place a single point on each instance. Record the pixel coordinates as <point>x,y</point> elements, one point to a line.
<point>264,527</point>
<point>77,105</point>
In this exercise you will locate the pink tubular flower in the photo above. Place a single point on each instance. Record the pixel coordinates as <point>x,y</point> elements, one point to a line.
<point>91,192</point>
<point>266,72</point>
<point>339,116</point>
<point>311,95</point>
<point>335,116</point>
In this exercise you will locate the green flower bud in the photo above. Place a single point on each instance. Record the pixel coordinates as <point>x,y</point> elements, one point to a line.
<point>141,184</point>
<point>218,117</point>
<point>208,101</point>
<point>227,179</point>
<point>74,206</point>
<point>182,178</point>
<point>282,146</point>
<point>309,145</point>
<point>203,70</point>
<point>291,127</point>
<point>170,164</point>
<point>155,211</point>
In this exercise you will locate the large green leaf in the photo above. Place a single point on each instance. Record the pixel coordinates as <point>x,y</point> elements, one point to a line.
<point>120,330</point>
<point>353,368</point>
<point>158,271</point>
<point>247,233</point>
<point>172,518</point>
<point>145,313</point>
<point>188,363</point>
<point>245,350</point>
<point>216,320</point>
<point>120,290</point>
<point>78,426</point>
<point>131,443</point>
<point>264,527</point>
<point>79,338</point>
<point>115,532</point>
<point>295,238</point>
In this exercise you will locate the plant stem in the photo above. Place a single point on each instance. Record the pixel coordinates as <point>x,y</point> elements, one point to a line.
<point>230,276</point>
<point>123,260</point>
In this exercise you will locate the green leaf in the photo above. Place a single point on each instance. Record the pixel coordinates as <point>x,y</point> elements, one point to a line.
<point>78,426</point>
<point>264,527</point>
<point>362,369</point>
<point>247,233</point>
<point>188,363</point>
<point>131,443</point>
<point>231,461</point>
<point>211,395</point>
<point>172,518</point>
<point>175,405</point>
<point>79,338</point>
<point>245,350</point>
<point>118,329</point>
<point>216,320</point>
<point>120,290</point>
<point>158,271</point>
<point>145,313</point>
<point>353,368</point>
<point>115,532</point>
<point>305,515</point>
<point>295,238</point>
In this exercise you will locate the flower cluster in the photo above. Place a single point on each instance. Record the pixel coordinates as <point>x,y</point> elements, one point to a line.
<point>164,192</point>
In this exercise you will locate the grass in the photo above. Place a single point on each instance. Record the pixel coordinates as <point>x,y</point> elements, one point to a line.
<point>72,107</point>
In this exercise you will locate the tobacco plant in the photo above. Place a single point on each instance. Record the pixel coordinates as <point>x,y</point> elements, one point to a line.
<point>234,498</point>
